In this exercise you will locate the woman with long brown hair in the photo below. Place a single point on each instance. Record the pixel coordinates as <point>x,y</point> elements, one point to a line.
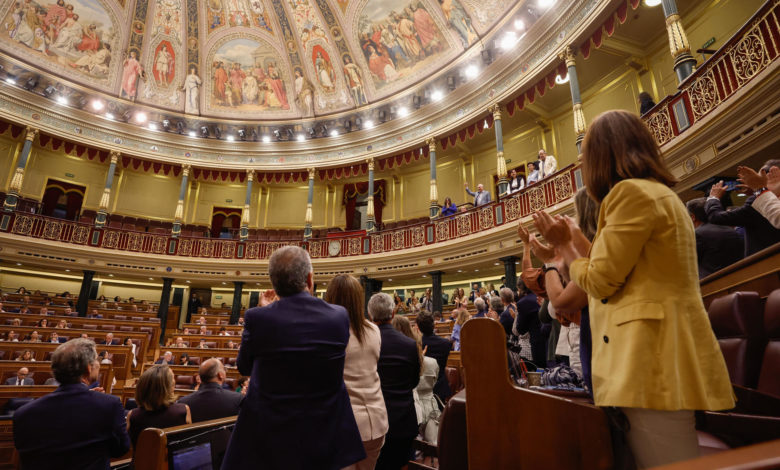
<point>154,394</point>
<point>360,374</point>
<point>654,353</point>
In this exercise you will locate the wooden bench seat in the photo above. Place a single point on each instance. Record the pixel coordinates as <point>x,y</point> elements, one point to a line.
<point>213,341</point>
<point>120,355</point>
<point>39,372</point>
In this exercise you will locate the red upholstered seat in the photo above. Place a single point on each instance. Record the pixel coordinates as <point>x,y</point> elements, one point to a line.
<point>769,378</point>
<point>90,327</point>
<point>195,360</point>
<point>185,381</point>
<point>108,327</point>
<point>737,320</point>
<point>125,328</point>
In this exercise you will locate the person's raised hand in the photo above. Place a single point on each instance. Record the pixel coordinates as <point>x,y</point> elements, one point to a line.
<point>268,298</point>
<point>773,180</point>
<point>542,251</point>
<point>555,230</point>
<point>522,232</point>
<point>718,190</point>
<point>467,185</point>
<point>751,178</point>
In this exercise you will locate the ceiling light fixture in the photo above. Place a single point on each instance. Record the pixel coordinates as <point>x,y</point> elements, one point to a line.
<point>403,111</point>
<point>437,95</point>
<point>230,138</point>
<point>266,139</point>
<point>368,124</point>
<point>141,117</point>
<point>653,3</point>
<point>10,81</point>
<point>62,100</point>
<point>97,105</point>
<point>192,134</point>
<point>110,275</point>
<point>152,126</point>
<point>545,3</point>
<point>472,71</point>
<point>334,133</point>
<point>151,279</point>
<point>109,116</point>
<point>301,137</point>
<point>562,80</point>
<point>519,24</point>
<point>508,41</point>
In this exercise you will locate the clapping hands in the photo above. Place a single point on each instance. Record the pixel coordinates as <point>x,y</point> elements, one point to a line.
<point>268,298</point>
<point>556,230</point>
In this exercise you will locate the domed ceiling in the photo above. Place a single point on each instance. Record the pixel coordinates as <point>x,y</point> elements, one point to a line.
<point>246,59</point>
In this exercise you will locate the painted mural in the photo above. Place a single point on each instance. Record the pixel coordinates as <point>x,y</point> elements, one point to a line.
<point>78,35</point>
<point>246,77</point>
<point>247,13</point>
<point>459,21</point>
<point>486,12</point>
<point>398,39</point>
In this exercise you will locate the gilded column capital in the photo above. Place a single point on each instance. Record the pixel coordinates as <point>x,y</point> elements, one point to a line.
<point>250,175</point>
<point>114,156</point>
<point>311,173</point>
<point>370,162</point>
<point>678,41</point>
<point>185,170</point>
<point>568,55</point>
<point>496,110</point>
<point>431,142</point>
<point>31,133</point>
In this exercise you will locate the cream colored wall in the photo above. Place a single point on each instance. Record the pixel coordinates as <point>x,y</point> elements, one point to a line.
<point>146,195</point>
<point>227,297</point>
<point>125,291</point>
<point>10,281</point>
<point>45,164</point>
<point>213,195</point>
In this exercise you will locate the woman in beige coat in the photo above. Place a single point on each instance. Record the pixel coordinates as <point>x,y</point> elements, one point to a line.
<point>654,353</point>
<point>360,375</point>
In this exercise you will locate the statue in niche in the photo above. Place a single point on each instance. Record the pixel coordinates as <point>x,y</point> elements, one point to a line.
<point>304,93</point>
<point>131,72</point>
<point>192,92</point>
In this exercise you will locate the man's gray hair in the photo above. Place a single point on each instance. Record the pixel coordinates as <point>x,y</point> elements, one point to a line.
<point>479,303</point>
<point>209,369</point>
<point>496,304</point>
<point>380,307</point>
<point>289,267</point>
<point>71,360</point>
<point>507,295</point>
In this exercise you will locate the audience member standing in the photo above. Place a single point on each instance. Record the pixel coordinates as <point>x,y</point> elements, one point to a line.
<point>533,173</point>
<point>154,394</point>
<point>654,353</point>
<point>449,207</point>
<point>717,246</point>
<point>71,427</point>
<point>766,186</point>
<point>360,368</point>
<point>547,164</point>
<point>438,348</point>
<point>646,103</point>
<point>480,197</point>
<point>193,306</point>
<point>399,372</point>
<point>297,413</point>
<point>527,321</point>
<point>516,182</point>
<point>212,400</point>
<point>460,320</point>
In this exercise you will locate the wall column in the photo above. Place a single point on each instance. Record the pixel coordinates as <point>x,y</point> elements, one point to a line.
<point>435,207</point>
<point>503,184</point>
<point>436,290</point>
<point>370,287</point>
<point>309,201</point>
<point>235,312</point>
<point>162,311</point>
<point>179,215</point>
<point>82,304</point>
<point>574,86</point>
<point>250,176</point>
<point>102,212</point>
<point>370,215</point>
<point>510,272</point>
<point>678,41</point>
<point>15,188</point>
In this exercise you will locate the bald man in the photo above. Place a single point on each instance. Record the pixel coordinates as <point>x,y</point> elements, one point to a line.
<point>211,401</point>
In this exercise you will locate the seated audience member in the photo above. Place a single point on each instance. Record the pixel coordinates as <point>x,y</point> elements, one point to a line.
<point>241,321</point>
<point>481,197</point>
<point>104,357</point>
<point>202,321</point>
<point>26,355</point>
<point>23,309</point>
<point>242,385</point>
<point>508,312</point>
<point>360,368</point>
<point>11,336</point>
<point>131,300</point>
<point>482,308</point>
<point>33,337</point>
<point>21,290</point>
<point>717,246</point>
<point>62,325</point>
<point>533,174</point>
<point>109,339</point>
<point>759,232</point>
<point>438,348</point>
<point>68,312</point>
<point>43,311</point>
<point>231,344</point>
<point>646,103</point>
<point>547,164</point>
<point>52,381</point>
<point>223,331</point>
<point>154,394</point>
<point>117,299</point>
<point>448,208</point>
<point>133,348</point>
<point>462,317</point>
<point>184,359</point>
<point>203,330</point>
<point>83,429</point>
<point>527,321</point>
<point>42,323</point>
<point>412,297</point>
<point>424,401</point>
<point>211,401</point>
<point>101,298</point>
<point>116,306</point>
<point>166,359</point>
<point>399,370</point>
<point>179,343</point>
<point>202,344</point>
<point>204,311</point>
<point>54,338</point>
<point>22,377</point>
<point>516,182</point>
<point>84,335</point>
<point>296,422</point>
<point>16,322</point>
<point>766,187</point>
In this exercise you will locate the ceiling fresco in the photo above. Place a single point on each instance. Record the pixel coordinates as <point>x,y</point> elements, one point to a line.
<point>245,59</point>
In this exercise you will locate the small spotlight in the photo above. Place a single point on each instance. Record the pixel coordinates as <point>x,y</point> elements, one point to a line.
<point>266,139</point>
<point>471,71</point>
<point>166,124</point>
<point>312,132</point>
<point>562,80</point>
<point>217,132</point>
<point>180,127</point>
<point>403,111</point>
<point>242,134</point>
<point>31,83</point>
<point>62,100</point>
<point>254,135</point>
<point>141,117</point>
<point>347,125</point>
<point>277,134</point>
<point>109,116</point>
<point>485,126</point>
<point>487,56</point>
<point>230,138</point>
<point>508,41</point>
<point>204,131</point>
<point>97,105</point>
<point>334,133</point>
<point>368,124</point>
<point>152,126</point>
<point>519,24</point>
<point>192,134</point>
<point>653,3</point>
<point>49,90</point>
<point>301,137</point>
<point>290,135</point>
<point>437,95</point>
<point>382,116</point>
<point>10,80</point>
<point>417,101</point>
<point>358,122</point>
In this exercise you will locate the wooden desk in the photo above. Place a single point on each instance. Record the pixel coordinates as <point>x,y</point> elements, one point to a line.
<point>203,354</point>
<point>39,372</point>
<point>121,355</point>
<point>220,342</point>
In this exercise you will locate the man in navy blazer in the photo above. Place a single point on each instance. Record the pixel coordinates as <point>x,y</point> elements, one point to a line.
<point>438,348</point>
<point>71,427</point>
<point>297,414</point>
<point>399,373</point>
<point>212,400</point>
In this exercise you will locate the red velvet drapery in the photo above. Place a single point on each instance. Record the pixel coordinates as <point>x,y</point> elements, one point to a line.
<point>353,190</point>
<point>74,195</point>
<point>218,216</point>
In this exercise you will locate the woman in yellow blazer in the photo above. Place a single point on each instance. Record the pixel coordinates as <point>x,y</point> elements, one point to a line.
<point>654,353</point>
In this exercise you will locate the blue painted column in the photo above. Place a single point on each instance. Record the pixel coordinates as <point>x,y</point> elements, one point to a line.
<point>678,41</point>
<point>105,199</point>
<point>309,201</point>
<point>244,234</point>
<point>179,215</point>
<point>435,207</point>
<point>370,214</point>
<point>574,86</point>
<point>503,184</point>
<point>12,198</point>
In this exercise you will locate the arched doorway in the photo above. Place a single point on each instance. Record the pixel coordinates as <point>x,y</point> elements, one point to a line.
<point>225,222</point>
<point>62,200</point>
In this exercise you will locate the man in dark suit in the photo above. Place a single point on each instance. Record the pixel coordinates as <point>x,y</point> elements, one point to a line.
<point>109,340</point>
<point>399,372</point>
<point>83,429</point>
<point>211,401</point>
<point>297,414</point>
<point>438,348</point>
<point>21,378</point>
<point>193,306</point>
<point>167,358</point>
<point>759,232</point>
<point>717,246</point>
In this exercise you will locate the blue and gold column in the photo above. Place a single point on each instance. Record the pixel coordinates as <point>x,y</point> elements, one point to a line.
<point>179,215</point>
<point>580,127</point>
<point>12,198</point>
<point>503,184</point>
<point>309,201</point>
<point>370,215</point>
<point>435,208</point>
<point>678,41</point>
<point>105,199</point>
<point>244,234</point>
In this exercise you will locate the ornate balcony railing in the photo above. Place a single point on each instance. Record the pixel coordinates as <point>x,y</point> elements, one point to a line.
<point>750,51</point>
<point>552,191</point>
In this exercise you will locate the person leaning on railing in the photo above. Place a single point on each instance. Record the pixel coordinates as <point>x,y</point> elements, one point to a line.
<point>655,355</point>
